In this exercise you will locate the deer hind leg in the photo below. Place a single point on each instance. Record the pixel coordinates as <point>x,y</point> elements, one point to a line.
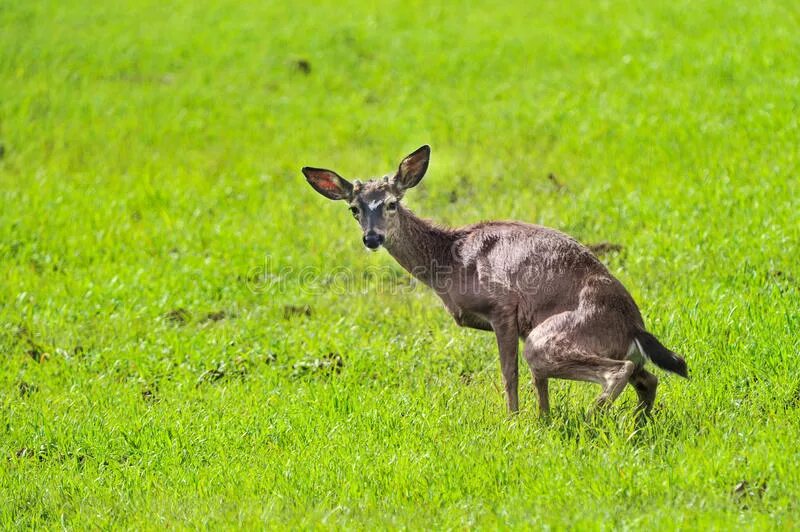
<point>645,384</point>
<point>555,350</point>
<point>616,374</point>
<point>508,345</point>
<point>542,390</point>
<point>611,375</point>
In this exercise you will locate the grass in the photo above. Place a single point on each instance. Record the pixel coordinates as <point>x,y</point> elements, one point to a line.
<point>193,338</point>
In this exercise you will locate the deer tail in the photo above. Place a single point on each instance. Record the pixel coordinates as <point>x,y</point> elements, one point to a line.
<point>650,348</point>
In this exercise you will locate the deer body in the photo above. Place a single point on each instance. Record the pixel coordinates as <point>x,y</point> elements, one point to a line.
<point>518,280</point>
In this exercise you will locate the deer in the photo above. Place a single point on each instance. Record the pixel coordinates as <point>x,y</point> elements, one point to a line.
<point>523,282</point>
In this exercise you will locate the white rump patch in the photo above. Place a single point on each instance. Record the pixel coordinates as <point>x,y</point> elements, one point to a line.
<point>636,354</point>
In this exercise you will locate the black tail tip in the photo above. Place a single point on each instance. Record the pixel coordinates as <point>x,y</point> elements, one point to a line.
<point>672,363</point>
<point>681,368</point>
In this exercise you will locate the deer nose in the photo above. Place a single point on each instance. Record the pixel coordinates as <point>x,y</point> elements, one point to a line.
<point>373,240</point>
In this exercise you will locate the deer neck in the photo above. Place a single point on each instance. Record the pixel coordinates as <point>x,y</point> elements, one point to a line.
<point>421,248</point>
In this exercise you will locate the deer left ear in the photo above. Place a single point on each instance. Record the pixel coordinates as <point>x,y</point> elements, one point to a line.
<point>328,183</point>
<point>411,170</point>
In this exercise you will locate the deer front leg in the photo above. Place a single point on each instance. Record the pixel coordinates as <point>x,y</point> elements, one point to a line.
<point>508,345</point>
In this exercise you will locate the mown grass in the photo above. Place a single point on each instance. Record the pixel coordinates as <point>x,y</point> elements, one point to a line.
<point>178,349</point>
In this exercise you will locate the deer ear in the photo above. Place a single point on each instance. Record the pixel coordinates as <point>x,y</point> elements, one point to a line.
<point>411,170</point>
<point>328,183</point>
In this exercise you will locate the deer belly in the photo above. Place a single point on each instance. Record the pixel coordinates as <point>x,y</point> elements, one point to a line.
<point>477,304</point>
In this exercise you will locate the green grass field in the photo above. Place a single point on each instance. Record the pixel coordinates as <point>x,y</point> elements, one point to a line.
<point>192,337</point>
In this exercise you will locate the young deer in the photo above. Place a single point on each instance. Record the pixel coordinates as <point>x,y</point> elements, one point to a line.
<point>521,281</point>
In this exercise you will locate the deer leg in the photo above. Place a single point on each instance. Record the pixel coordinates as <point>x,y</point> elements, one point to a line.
<point>612,375</point>
<point>616,376</point>
<point>645,384</point>
<point>542,388</point>
<point>551,360</point>
<point>544,395</point>
<point>556,348</point>
<point>508,345</point>
<point>536,359</point>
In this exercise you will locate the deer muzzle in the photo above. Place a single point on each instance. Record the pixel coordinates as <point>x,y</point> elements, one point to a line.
<point>373,240</point>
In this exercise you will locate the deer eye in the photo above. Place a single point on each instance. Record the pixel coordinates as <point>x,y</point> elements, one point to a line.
<point>354,210</point>
<point>391,206</point>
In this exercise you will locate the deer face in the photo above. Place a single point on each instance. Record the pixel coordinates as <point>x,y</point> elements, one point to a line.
<point>373,203</point>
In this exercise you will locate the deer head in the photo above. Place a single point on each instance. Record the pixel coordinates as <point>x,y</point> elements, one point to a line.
<point>374,203</point>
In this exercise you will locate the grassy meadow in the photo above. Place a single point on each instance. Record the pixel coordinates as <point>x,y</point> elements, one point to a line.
<point>191,337</point>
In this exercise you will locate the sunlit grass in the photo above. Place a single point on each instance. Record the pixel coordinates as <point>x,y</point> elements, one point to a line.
<point>179,350</point>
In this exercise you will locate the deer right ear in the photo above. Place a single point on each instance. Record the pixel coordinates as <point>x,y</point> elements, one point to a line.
<point>328,183</point>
